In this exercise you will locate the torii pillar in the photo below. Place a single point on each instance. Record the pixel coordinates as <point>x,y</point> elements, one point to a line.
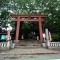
<point>17,28</point>
<point>40,29</point>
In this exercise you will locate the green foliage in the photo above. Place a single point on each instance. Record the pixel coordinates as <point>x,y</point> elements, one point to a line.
<point>28,27</point>
<point>56,37</point>
<point>49,7</point>
<point>25,26</point>
<point>5,18</point>
<point>5,14</point>
<point>3,3</point>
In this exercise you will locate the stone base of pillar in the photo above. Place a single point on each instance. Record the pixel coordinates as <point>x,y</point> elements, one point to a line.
<point>16,41</point>
<point>41,41</point>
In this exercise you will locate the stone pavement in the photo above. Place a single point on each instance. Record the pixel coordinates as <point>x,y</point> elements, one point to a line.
<point>40,57</point>
<point>17,52</point>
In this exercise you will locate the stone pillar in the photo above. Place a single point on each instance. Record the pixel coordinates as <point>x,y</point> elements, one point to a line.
<point>47,38</point>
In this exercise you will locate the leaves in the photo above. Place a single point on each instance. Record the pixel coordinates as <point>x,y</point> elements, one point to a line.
<point>5,18</point>
<point>48,7</point>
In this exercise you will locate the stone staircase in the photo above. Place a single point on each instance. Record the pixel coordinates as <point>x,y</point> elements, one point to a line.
<point>27,48</point>
<point>28,44</point>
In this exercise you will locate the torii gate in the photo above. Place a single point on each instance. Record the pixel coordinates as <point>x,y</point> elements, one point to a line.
<point>29,18</point>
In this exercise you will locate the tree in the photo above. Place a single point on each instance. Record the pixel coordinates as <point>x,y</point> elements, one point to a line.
<point>3,3</point>
<point>52,10</point>
<point>5,18</point>
<point>49,7</point>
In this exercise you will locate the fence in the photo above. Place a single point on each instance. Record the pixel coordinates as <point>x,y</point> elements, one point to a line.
<point>4,45</point>
<point>54,44</point>
<point>51,45</point>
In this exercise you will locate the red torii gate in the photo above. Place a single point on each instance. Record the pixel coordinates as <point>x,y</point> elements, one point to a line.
<point>34,18</point>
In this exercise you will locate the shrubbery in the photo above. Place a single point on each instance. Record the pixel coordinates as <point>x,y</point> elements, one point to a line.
<point>56,37</point>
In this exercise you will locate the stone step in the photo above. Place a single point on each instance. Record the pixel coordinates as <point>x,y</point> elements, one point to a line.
<point>28,47</point>
<point>28,43</point>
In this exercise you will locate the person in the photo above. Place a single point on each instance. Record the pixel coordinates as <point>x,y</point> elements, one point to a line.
<point>44,36</point>
<point>50,37</point>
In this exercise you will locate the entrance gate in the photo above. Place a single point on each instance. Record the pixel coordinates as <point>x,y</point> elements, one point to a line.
<point>28,18</point>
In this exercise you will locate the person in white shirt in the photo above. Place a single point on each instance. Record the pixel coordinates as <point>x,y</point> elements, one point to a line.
<point>44,36</point>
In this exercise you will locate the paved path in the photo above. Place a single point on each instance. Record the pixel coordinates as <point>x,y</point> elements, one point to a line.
<point>29,51</point>
<point>35,57</point>
<point>18,52</point>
